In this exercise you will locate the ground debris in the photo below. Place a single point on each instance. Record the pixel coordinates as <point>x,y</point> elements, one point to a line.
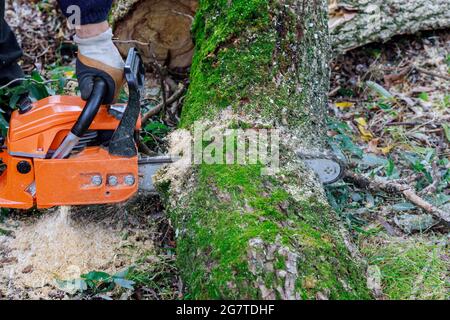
<point>412,223</point>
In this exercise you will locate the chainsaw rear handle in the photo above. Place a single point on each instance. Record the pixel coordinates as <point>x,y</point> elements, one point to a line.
<point>84,120</point>
<point>91,109</point>
<point>122,142</point>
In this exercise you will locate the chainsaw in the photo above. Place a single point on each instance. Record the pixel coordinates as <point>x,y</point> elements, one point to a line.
<point>65,151</point>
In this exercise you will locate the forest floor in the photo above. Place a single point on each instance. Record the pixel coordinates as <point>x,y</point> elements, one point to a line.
<point>391,107</point>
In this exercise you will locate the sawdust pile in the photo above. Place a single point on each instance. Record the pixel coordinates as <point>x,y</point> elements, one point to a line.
<point>57,247</point>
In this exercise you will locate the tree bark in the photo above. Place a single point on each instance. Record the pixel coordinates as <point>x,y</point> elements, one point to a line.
<point>240,234</point>
<point>353,23</point>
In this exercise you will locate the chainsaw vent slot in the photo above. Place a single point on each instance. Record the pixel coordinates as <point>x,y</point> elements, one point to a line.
<point>88,139</point>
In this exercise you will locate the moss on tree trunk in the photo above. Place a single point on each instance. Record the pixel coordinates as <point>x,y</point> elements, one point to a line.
<point>241,234</point>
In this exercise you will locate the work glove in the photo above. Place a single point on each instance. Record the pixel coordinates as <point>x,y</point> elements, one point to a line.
<point>99,57</point>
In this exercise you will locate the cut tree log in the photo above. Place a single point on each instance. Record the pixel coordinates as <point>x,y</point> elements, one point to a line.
<point>166,24</point>
<point>242,234</point>
<point>353,23</point>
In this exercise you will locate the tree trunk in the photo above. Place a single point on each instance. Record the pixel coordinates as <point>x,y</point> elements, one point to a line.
<point>353,23</point>
<point>258,64</point>
<point>359,22</point>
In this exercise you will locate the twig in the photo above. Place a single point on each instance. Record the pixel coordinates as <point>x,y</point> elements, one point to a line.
<point>159,107</point>
<point>162,83</point>
<point>334,92</point>
<point>184,15</point>
<point>25,79</point>
<point>408,124</point>
<point>131,42</point>
<point>407,191</point>
<point>145,150</point>
<point>38,56</point>
<point>431,73</point>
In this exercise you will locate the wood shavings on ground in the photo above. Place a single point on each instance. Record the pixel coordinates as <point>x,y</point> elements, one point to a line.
<point>56,247</point>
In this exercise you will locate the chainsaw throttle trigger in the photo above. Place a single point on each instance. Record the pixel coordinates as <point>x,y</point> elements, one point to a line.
<point>122,143</point>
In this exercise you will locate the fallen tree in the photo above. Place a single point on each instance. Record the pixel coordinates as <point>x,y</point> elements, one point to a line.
<point>241,234</point>
<point>353,23</point>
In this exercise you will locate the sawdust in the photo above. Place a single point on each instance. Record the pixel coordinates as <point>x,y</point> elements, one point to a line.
<point>56,247</point>
<point>180,146</point>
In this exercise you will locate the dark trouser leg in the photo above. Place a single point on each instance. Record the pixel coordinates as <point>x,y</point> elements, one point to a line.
<point>10,51</point>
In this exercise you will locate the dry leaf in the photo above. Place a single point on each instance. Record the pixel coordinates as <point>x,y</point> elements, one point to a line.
<point>362,127</point>
<point>387,150</point>
<point>344,104</point>
<point>373,146</point>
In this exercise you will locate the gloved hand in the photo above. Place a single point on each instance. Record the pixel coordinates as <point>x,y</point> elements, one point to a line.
<point>99,57</point>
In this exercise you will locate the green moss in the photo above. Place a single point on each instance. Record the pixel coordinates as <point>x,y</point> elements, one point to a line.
<point>224,67</point>
<point>410,269</point>
<point>245,59</point>
<point>238,55</point>
<point>230,208</point>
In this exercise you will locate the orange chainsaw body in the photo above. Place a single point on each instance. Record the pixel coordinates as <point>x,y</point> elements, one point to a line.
<point>33,179</point>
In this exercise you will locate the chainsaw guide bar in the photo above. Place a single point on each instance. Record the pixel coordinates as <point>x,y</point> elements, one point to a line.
<point>148,166</point>
<point>326,166</point>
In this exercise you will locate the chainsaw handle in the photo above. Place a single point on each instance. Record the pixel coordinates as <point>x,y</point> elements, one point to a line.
<point>91,109</point>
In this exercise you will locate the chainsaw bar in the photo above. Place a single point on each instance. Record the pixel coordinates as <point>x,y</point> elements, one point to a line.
<point>148,166</point>
<point>328,167</point>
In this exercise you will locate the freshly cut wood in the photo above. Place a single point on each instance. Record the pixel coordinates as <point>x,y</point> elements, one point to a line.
<point>165,24</point>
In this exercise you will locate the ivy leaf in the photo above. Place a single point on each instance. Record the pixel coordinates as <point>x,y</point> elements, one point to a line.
<point>403,206</point>
<point>4,125</point>
<point>124,283</point>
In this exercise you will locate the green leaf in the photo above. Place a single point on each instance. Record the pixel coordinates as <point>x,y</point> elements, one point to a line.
<point>391,170</point>
<point>96,276</point>
<point>38,90</point>
<point>126,284</point>
<point>4,125</point>
<point>446,128</point>
<point>424,96</point>
<point>72,286</point>
<point>157,128</point>
<point>403,206</point>
<point>372,160</point>
<point>123,273</point>
<point>380,90</point>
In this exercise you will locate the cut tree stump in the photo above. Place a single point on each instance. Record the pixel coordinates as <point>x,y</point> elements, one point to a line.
<point>166,24</point>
